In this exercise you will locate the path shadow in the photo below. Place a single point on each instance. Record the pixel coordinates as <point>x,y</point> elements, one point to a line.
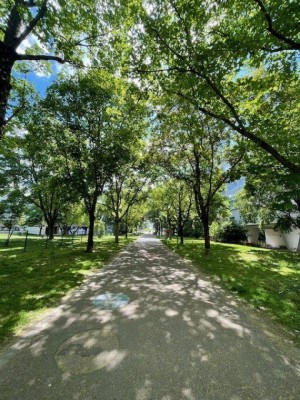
<point>180,337</point>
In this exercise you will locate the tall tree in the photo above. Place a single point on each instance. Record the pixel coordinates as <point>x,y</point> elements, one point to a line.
<point>201,153</point>
<point>31,171</point>
<point>172,201</point>
<point>125,189</point>
<point>98,117</point>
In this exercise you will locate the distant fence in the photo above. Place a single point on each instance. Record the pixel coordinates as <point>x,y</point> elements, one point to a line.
<point>25,241</point>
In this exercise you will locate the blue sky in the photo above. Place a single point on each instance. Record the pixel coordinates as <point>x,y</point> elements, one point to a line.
<point>40,79</point>
<point>40,82</point>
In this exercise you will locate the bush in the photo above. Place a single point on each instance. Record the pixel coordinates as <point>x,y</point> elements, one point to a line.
<point>233,232</point>
<point>193,228</point>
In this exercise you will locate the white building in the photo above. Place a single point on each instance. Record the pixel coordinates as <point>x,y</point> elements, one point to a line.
<point>274,238</point>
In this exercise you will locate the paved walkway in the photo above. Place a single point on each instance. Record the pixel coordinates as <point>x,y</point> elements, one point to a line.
<point>179,338</point>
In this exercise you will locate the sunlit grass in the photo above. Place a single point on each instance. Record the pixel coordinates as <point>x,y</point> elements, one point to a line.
<point>35,280</point>
<point>267,279</point>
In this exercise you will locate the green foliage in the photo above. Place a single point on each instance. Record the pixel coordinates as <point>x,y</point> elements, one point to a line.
<point>65,29</point>
<point>232,232</point>
<point>34,217</point>
<point>71,214</point>
<point>193,228</point>
<point>96,120</point>
<point>271,194</point>
<point>11,212</point>
<point>126,188</point>
<point>201,153</point>
<point>216,229</point>
<point>93,135</point>
<point>232,61</point>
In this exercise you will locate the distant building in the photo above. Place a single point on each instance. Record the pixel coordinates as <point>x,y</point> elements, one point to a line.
<point>274,238</point>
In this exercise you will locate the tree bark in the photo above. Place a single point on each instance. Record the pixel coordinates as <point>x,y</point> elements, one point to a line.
<point>126,227</point>
<point>51,226</point>
<point>117,230</point>
<point>181,235</point>
<point>7,59</point>
<point>90,242</point>
<point>180,227</point>
<point>204,220</point>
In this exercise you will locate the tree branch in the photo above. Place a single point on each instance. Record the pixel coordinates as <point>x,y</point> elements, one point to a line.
<point>16,111</point>
<point>39,57</point>
<point>33,23</point>
<point>247,134</point>
<point>292,43</point>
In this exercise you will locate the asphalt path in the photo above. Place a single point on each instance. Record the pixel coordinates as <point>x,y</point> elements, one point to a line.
<point>150,327</point>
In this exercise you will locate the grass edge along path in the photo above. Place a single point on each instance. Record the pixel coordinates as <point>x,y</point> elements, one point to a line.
<point>31,282</point>
<point>268,280</point>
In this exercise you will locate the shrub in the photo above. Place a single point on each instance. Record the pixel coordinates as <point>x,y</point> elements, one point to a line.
<point>193,228</point>
<point>233,232</point>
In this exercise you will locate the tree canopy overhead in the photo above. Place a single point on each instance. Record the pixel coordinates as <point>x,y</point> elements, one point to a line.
<point>200,86</point>
<point>234,61</point>
<point>44,30</point>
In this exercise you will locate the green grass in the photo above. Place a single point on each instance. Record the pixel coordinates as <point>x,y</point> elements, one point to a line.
<point>267,279</point>
<point>35,280</point>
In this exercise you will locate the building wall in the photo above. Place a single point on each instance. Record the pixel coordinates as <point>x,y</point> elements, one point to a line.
<point>292,240</point>
<point>35,230</point>
<point>274,238</point>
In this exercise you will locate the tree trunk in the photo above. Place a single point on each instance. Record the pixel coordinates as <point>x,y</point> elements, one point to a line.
<point>206,234</point>
<point>7,59</point>
<point>51,226</point>
<point>126,227</point>
<point>180,226</point>
<point>117,230</point>
<point>181,234</point>
<point>90,242</point>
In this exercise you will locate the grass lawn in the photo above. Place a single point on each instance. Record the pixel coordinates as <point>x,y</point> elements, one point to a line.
<point>267,279</point>
<point>35,280</point>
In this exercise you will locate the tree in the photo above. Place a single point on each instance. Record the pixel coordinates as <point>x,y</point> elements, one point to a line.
<point>34,217</point>
<point>135,216</point>
<point>125,189</point>
<point>11,212</point>
<point>161,207</point>
<point>173,201</point>
<point>30,170</point>
<point>57,31</point>
<point>72,214</point>
<point>270,195</point>
<point>200,153</point>
<point>97,117</point>
<point>233,61</point>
